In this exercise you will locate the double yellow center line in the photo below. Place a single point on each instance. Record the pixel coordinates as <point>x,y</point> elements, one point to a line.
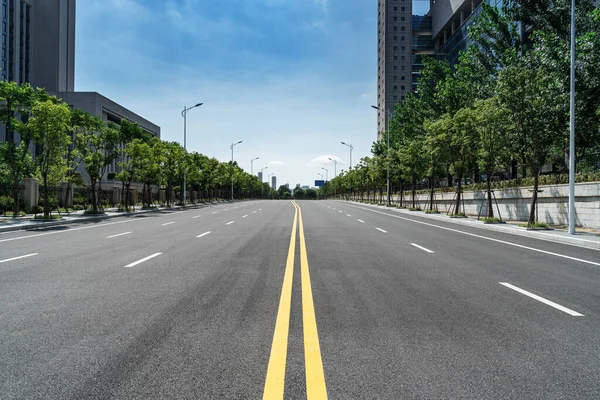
<point>315,377</point>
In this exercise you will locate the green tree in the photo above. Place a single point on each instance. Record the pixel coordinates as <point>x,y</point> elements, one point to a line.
<point>299,193</point>
<point>49,127</point>
<point>493,126</point>
<point>16,100</point>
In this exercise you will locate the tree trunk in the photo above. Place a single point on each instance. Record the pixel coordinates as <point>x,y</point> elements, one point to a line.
<point>536,181</point>
<point>15,195</point>
<point>94,195</point>
<point>431,183</point>
<point>401,194</point>
<point>458,195</point>
<point>414,192</point>
<point>46,202</point>
<point>490,210</point>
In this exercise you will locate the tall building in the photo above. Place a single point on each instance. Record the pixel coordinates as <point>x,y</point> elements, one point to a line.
<point>38,43</point>
<point>394,61</point>
<point>274,182</point>
<point>260,177</point>
<point>38,47</point>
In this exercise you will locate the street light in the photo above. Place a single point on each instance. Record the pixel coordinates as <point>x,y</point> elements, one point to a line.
<point>262,188</point>
<point>252,165</point>
<point>232,146</point>
<point>184,115</point>
<point>334,166</point>
<point>351,148</point>
<point>572,129</point>
<point>326,173</point>
<point>388,154</point>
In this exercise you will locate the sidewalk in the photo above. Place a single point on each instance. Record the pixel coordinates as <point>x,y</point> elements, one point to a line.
<point>8,224</point>
<point>581,239</point>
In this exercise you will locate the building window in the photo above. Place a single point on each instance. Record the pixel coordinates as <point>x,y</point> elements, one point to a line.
<point>403,68</point>
<point>403,28</point>
<point>402,78</point>
<point>395,28</point>
<point>395,87</point>
<point>395,77</point>
<point>395,8</point>
<point>395,37</point>
<point>395,98</point>
<point>402,98</point>
<point>403,87</point>
<point>403,9</point>
<point>395,67</point>
<point>402,19</point>
<point>395,18</point>
<point>403,38</point>
<point>396,48</point>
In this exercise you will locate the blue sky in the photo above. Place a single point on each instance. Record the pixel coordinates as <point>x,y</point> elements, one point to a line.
<point>291,78</point>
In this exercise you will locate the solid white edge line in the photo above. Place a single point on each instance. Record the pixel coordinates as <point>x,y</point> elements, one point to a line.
<point>117,235</point>
<point>230,222</point>
<point>483,237</point>
<point>422,248</point>
<point>204,234</point>
<point>381,230</point>
<point>541,299</point>
<point>133,264</point>
<point>361,221</point>
<point>168,223</point>
<point>18,258</point>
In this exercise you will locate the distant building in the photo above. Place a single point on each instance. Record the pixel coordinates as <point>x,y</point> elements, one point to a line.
<point>274,182</point>
<point>287,185</point>
<point>260,176</point>
<point>304,187</point>
<point>297,185</point>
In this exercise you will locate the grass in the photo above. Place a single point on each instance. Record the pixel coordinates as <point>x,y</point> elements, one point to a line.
<point>49,217</point>
<point>432,212</point>
<point>92,212</point>
<point>492,220</point>
<point>459,215</point>
<point>535,225</point>
<point>11,214</point>
<point>65,210</point>
<point>414,209</point>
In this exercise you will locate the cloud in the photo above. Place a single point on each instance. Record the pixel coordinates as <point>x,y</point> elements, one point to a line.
<point>324,160</point>
<point>276,162</point>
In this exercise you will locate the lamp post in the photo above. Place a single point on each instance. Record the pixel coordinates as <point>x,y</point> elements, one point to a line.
<point>326,174</point>
<point>351,148</point>
<point>334,166</point>
<point>262,189</point>
<point>184,115</point>
<point>388,154</point>
<point>252,165</point>
<point>261,173</point>
<point>572,129</point>
<point>232,170</point>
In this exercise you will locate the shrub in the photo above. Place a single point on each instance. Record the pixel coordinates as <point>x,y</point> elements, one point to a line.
<point>491,220</point>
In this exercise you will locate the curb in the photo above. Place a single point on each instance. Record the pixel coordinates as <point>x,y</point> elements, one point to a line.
<point>588,244</point>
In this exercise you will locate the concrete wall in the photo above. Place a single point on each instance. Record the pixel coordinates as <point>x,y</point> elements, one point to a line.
<point>515,203</point>
<point>442,11</point>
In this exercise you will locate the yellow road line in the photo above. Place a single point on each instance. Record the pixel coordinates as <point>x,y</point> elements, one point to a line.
<point>274,384</point>
<point>315,376</point>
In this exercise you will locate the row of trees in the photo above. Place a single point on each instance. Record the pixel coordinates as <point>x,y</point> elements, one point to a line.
<point>67,142</point>
<point>505,103</point>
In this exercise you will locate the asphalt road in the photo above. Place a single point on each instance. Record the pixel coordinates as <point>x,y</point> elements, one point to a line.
<point>325,300</point>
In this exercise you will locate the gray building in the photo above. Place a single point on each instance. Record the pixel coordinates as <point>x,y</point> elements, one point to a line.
<point>394,61</point>
<point>38,43</point>
<point>274,182</point>
<point>260,177</point>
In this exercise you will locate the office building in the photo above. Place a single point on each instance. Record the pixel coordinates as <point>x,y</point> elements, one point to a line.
<point>274,182</point>
<point>38,47</point>
<point>260,177</point>
<point>403,39</point>
<point>394,61</point>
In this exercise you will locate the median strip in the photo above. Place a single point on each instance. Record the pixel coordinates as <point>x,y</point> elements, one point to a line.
<point>18,258</point>
<point>133,264</point>
<point>541,299</point>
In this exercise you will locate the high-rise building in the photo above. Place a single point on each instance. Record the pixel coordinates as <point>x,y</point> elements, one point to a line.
<point>260,176</point>
<point>394,61</point>
<point>38,43</point>
<point>274,182</point>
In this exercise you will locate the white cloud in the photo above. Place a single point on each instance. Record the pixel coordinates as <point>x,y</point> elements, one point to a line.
<point>324,160</point>
<point>276,162</point>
